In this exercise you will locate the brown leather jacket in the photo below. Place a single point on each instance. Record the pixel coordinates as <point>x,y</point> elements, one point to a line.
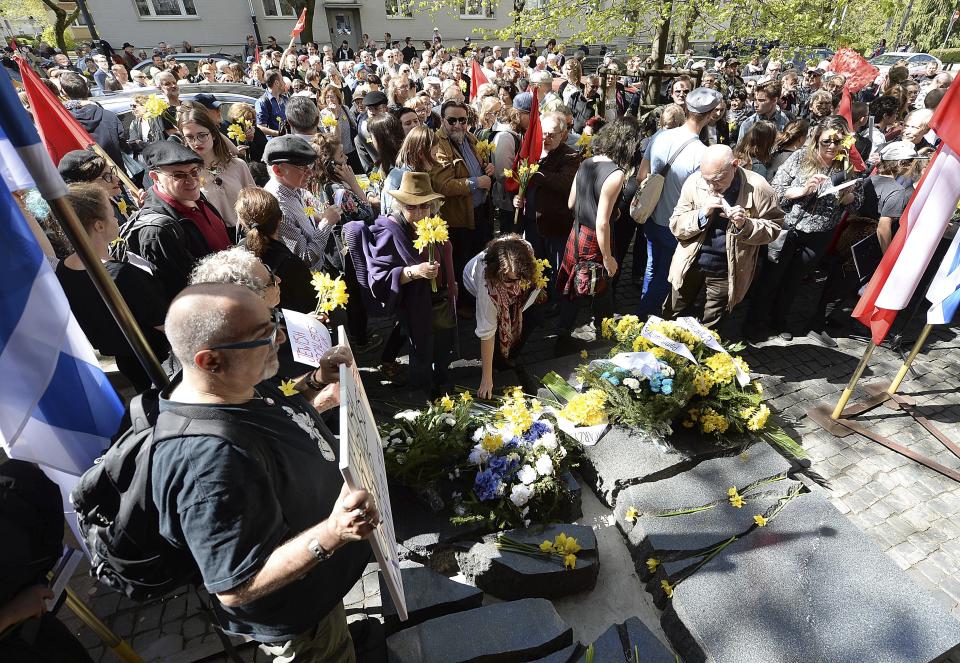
<point>450,177</point>
<point>552,186</point>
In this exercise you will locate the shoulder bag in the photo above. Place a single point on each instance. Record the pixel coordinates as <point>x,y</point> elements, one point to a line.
<point>648,195</point>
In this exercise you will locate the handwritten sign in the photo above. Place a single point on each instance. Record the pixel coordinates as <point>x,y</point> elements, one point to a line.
<point>309,338</point>
<point>655,337</point>
<point>694,326</point>
<point>362,466</point>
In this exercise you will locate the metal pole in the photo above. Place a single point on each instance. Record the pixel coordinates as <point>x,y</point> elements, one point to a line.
<point>63,212</point>
<point>119,646</point>
<point>88,19</point>
<point>253,19</point>
<point>848,392</point>
<point>903,24</point>
<point>953,19</point>
<point>902,373</point>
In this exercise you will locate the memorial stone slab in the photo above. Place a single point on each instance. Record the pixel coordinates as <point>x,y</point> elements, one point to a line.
<point>429,595</point>
<point>809,586</point>
<point>619,642</point>
<point>565,655</point>
<point>502,632</point>
<point>510,575</point>
<point>426,536</point>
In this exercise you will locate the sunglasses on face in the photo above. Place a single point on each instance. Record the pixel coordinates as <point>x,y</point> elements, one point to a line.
<point>456,120</point>
<point>256,343</point>
<point>826,142</point>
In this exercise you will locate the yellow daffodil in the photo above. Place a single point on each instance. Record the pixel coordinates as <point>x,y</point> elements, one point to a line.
<point>508,173</point>
<point>288,387</point>
<point>328,120</point>
<point>515,413</point>
<point>570,562</point>
<point>122,206</point>
<point>446,403</point>
<point>483,150</point>
<point>375,178</point>
<point>309,211</point>
<point>465,397</point>
<point>667,588</point>
<point>586,409</point>
<point>331,292</point>
<point>155,106</point>
<point>760,520</point>
<point>631,515</point>
<point>546,546</point>
<point>491,443</point>
<point>236,132</point>
<point>584,354</point>
<point>652,564</point>
<point>117,241</point>
<point>737,501</point>
<point>539,268</point>
<point>731,491</point>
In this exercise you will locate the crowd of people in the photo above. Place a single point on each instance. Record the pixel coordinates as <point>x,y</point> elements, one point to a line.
<point>732,188</point>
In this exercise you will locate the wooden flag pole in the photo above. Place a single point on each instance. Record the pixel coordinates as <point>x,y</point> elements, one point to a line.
<point>848,392</point>
<point>121,173</point>
<point>902,373</point>
<point>119,646</point>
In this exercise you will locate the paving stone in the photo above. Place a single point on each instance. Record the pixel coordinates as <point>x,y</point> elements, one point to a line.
<point>565,655</point>
<point>161,648</point>
<point>510,575</point>
<point>807,587</point>
<point>510,631</point>
<point>428,594</point>
<point>621,641</point>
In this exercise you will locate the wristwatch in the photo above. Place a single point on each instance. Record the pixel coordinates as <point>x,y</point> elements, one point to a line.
<point>312,382</point>
<point>318,551</point>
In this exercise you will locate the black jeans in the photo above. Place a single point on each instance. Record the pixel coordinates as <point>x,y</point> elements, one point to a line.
<point>601,305</point>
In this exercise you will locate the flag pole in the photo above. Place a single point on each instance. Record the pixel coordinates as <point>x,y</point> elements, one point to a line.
<point>63,212</point>
<point>917,346</point>
<point>121,173</point>
<point>119,646</point>
<point>848,392</point>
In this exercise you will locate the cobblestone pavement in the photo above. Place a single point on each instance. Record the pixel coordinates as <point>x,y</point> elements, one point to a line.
<point>910,511</point>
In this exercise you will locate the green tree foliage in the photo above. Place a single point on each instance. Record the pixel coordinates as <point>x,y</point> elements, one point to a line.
<point>62,21</point>
<point>928,22</point>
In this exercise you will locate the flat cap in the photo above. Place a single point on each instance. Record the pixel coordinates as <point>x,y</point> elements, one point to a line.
<point>168,153</point>
<point>375,98</point>
<point>71,165</point>
<point>892,151</point>
<point>703,100</point>
<point>431,80</point>
<point>523,101</point>
<point>207,100</point>
<point>289,149</point>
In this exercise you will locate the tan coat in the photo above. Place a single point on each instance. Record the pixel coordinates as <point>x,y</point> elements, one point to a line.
<point>450,177</point>
<point>759,200</point>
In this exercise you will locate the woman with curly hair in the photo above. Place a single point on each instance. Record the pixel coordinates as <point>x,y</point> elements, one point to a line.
<point>593,198</point>
<point>503,279</point>
<point>809,223</point>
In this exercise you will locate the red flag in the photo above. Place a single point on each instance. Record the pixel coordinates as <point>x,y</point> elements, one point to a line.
<point>532,146</point>
<point>256,54</point>
<point>846,112</point>
<point>59,130</point>
<point>858,72</point>
<point>477,78</point>
<point>301,23</point>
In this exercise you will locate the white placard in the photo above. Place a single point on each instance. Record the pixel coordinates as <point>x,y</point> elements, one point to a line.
<point>655,337</point>
<point>361,462</point>
<point>694,326</point>
<point>308,337</point>
<point>587,436</point>
<point>836,189</point>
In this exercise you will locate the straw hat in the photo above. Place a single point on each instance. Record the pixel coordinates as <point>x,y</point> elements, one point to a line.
<point>415,189</point>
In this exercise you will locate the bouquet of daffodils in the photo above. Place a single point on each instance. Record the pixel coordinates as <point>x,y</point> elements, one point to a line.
<point>331,292</point>
<point>430,231</point>
<point>484,150</point>
<point>328,121</point>
<point>525,173</point>
<point>583,145</point>
<point>540,267</point>
<point>155,106</point>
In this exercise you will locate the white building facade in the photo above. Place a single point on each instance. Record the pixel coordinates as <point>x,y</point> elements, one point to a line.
<point>222,25</point>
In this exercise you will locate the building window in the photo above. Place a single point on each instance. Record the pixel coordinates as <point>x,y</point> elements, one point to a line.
<point>165,8</point>
<point>399,8</point>
<point>279,8</point>
<point>477,9</point>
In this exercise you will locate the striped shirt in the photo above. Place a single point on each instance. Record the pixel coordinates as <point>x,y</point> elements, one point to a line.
<point>305,237</point>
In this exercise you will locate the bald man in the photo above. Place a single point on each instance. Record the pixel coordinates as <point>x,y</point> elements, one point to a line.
<point>262,509</point>
<point>724,214</point>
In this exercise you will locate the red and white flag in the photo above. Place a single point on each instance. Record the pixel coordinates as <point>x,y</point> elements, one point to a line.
<point>921,227</point>
<point>301,23</point>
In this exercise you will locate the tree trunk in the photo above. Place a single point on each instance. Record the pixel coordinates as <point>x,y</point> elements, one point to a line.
<point>659,51</point>
<point>62,22</point>
<point>684,38</point>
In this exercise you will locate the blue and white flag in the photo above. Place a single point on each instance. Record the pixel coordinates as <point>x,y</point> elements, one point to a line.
<point>944,291</point>
<point>57,408</point>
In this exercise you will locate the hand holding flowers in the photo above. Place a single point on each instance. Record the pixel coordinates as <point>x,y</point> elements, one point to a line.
<point>430,232</point>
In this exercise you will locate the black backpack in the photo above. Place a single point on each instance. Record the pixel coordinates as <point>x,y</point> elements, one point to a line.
<point>116,513</point>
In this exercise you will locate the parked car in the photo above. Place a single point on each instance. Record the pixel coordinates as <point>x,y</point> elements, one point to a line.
<point>916,62</point>
<point>191,60</point>
<point>226,93</point>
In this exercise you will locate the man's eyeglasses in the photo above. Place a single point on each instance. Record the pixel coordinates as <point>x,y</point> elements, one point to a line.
<point>192,174</point>
<point>271,279</point>
<point>456,120</point>
<point>256,343</point>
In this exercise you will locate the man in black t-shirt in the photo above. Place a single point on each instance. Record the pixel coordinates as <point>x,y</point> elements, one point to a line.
<point>275,534</point>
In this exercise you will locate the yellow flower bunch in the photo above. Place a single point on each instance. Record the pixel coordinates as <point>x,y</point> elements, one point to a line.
<point>711,420</point>
<point>561,544</point>
<point>447,403</point>
<point>583,144</point>
<point>527,171</point>
<point>586,409</point>
<point>675,332</point>
<point>155,106</point>
<point>328,120</point>
<point>483,149</point>
<point>491,443</point>
<point>309,210</point>
<point>539,267</point>
<point>431,230</point>
<point>515,413</point>
<point>755,417</point>
<point>331,292</point>
<point>702,382</point>
<point>236,132</point>
<point>376,179</point>
<point>722,368</point>
<point>640,344</point>
<point>736,499</point>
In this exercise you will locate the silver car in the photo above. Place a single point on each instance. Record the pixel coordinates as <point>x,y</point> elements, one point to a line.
<point>226,93</point>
